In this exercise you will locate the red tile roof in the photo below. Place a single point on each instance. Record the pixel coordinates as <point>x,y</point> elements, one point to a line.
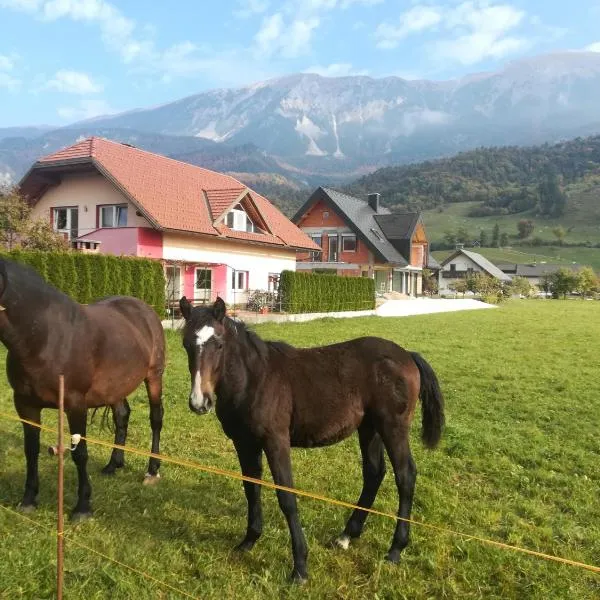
<point>173,194</point>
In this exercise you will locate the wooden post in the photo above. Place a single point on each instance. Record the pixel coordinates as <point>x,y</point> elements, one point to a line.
<point>60,540</point>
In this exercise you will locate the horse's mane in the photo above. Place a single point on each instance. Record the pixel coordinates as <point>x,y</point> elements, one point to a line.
<point>25,278</point>
<point>253,342</point>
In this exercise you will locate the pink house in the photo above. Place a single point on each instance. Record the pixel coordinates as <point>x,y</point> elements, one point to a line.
<point>214,235</point>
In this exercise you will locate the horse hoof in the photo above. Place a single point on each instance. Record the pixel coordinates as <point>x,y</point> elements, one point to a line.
<point>343,542</point>
<point>393,556</point>
<point>298,578</point>
<point>27,508</point>
<point>78,517</point>
<point>244,546</point>
<point>110,469</point>
<point>151,479</point>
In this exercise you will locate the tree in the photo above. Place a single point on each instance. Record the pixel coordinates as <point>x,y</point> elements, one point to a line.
<point>525,227</point>
<point>552,199</point>
<point>563,282</point>
<point>587,281</point>
<point>496,236</point>
<point>459,286</point>
<point>559,232</point>
<point>14,218</point>
<point>18,229</point>
<point>450,238</point>
<point>462,235</point>
<point>483,238</point>
<point>503,239</point>
<point>430,283</point>
<point>520,286</point>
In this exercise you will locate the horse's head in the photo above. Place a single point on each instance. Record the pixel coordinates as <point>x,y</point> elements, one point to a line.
<point>203,341</point>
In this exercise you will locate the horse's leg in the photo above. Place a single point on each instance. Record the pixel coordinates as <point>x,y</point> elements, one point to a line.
<point>154,389</point>
<point>373,469</point>
<point>120,412</point>
<point>77,424</point>
<point>278,455</point>
<point>405,472</point>
<point>31,442</point>
<point>250,457</point>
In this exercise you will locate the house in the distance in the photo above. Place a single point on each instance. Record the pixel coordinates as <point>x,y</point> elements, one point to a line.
<point>534,273</point>
<point>462,263</point>
<point>362,238</point>
<point>214,235</point>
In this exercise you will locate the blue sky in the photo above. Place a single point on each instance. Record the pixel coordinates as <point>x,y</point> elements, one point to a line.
<point>66,60</point>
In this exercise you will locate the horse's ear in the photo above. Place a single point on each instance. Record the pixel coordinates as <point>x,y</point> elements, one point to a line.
<point>219,309</point>
<point>185,307</point>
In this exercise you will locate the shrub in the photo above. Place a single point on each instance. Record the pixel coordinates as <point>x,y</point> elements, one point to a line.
<point>312,292</point>
<point>89,277</point>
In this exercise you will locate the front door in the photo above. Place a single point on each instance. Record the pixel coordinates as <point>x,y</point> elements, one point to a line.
<point>203,285</point>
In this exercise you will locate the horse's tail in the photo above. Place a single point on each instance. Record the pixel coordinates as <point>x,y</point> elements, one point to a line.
<point>433,403</point>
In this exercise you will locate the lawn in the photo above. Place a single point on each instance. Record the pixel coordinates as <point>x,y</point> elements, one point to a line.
<point>519,463</point>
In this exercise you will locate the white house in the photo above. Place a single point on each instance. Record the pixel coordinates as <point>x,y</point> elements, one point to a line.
<point>214,235</point>
<point>463,263</point>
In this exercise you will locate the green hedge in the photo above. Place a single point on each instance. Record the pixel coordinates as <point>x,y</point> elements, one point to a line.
<point>89,277</point>
<point>314,292</point>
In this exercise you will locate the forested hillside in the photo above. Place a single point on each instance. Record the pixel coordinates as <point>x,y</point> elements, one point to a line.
<point>502,181</point>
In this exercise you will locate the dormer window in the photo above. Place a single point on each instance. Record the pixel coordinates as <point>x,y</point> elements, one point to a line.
<point>238,220</point>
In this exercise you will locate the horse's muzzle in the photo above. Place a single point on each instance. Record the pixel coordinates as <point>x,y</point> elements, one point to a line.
<point>203,407</point>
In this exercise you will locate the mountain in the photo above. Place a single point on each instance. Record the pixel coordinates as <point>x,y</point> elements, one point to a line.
<point>309,130</point>
<point>345,124</point>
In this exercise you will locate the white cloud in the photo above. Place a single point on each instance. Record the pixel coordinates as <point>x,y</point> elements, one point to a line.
<point>249,8</point>
<point>486,32</point>
<point>7,63</point>
<point>415,20</point>
<point>276,37</point>
<point>86,109</point>
<point>478,29</point>
<point>595,47</point>
<point>335,70</point>
<point>7,80</point>
<point>73,82</point>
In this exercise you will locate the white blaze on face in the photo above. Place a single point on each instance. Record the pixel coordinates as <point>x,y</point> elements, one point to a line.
<point>196,397</point>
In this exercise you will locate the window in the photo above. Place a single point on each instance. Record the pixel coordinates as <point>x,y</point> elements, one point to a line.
<point>273,282</point>
<point>325,215</point>
<point>453,267</point>
<point>333,249</point>
<point>203,279</point>
<point>315,255</point>
<point>66,221</point>
<point>238,220</point>
<point>349,243</point>
<point>113,216</point>
<point>239,280</point>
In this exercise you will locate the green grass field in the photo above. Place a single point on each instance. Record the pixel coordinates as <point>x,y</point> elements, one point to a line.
<point>519,463</point>
<point>581,221</point>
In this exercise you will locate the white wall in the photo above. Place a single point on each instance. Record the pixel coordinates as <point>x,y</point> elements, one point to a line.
<point>462,263</point>
<point>85,192</point>
<point>259,261</point>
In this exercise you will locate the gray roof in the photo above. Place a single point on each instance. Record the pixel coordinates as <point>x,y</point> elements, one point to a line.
<point>432,263</point>
<point>482,262</point>
<point>397,226</point>
<point>534,269</point>
<point>361,215</point>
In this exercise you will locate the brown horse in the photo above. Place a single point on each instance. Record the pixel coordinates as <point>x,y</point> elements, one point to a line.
<point>104,350</point>
<point>271,396</point>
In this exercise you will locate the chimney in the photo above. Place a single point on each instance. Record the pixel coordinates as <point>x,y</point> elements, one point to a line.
<point>374,201</point>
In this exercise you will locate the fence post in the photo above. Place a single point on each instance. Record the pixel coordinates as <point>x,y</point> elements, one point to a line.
<point>61,462</point>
